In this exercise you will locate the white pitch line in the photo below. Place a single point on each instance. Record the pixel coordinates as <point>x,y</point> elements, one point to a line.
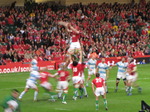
<point>62,109</point>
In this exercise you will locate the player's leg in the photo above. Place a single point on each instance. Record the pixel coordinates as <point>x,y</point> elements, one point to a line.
<point>125,83</point>
<point>105,101</point>
<point>81,88</point>
<point>117,83</point>
<point>35,93</point>
<point>76,88</point>
<point>23,93</point>
<point>97,103</point>
<point>27,87</point>
<point>59,90</point>
<point>76,82</point>
<point>105,79</point>
<point>84,88</point>
<point>97,94</point>
<point>129,87</point>
<point>65,91</point>
<point>88,78</point>
<point>48,87</point>
<point>134,83</point>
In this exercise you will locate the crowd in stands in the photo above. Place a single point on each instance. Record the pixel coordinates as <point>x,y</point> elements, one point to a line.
<point>110,30</point>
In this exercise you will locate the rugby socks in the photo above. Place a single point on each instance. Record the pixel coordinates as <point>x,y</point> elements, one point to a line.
<point>85,91</point>
<point>96,104</point>
<point>105,103</point>
<point>75,92</point>
<point>81,91</point>
<point>64,97</point>
<point>117,87</point>
<point>60,93</point>
<point>22,94</point>
<point>129,91</point>
<point>106,89</point>
<point>35,95</point>
<point>52,95</point>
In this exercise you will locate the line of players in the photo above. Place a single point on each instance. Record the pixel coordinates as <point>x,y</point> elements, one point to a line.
<point>77,67</point>
<point>101,70</point>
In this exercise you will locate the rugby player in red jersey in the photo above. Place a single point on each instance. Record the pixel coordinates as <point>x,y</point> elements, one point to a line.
<point>63,77</point>
<point>77,73</point>
<point>44,82</point>
<point>132,78</point>
<point>99,83</point>
<point>74,31</point>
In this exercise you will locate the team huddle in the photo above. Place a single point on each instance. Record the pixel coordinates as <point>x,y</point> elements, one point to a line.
<point>127,71</point>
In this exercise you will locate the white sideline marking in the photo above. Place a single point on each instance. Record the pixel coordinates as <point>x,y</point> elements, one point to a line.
<point>62,109</point>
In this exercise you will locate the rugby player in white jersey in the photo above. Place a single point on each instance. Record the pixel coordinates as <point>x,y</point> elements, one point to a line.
<point>34,61</point>
<point>31,82</point>
<point>122,67</point>
<point>102,69</point>
<point>91,65</point>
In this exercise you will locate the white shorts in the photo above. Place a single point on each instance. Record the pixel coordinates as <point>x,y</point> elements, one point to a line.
<point>30,84</point>
<point>103,76</point>
<point>46,85</point>
<point>99,91</point>
<point>82,78</point>
<point>132,78</point>
<point>91,72</point>
<point>8,110</point>
<point>121,75</point>
<point>74,45</point>
<point>76,79</point>
<point>62,85</point>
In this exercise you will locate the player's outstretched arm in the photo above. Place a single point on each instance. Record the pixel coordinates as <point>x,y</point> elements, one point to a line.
<point>81,55</point>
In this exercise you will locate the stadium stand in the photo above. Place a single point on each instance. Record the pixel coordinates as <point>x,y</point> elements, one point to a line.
<point>110,30</point>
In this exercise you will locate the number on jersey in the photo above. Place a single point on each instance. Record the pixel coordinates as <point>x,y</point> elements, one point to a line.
<point>98,80</point>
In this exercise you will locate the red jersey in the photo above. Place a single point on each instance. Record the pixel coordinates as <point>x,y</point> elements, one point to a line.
<point>75,37</point>
<point>63,75</point>
<point>83,67</point>
<point>77,69</point>
<point>98,82</point>
<point>44,77</point>
<point>131,67</point>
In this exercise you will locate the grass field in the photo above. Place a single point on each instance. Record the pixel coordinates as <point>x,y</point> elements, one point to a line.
<point>117,102</point>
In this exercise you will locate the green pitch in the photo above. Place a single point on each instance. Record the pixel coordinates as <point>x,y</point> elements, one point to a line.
<point>117,102</point>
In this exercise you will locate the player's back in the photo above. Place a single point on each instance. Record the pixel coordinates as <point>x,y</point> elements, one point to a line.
<point>44,77</point>
<point>131,67</point>
<point>98,82</point>
<point>63,75</point>
<point>77,70</point>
